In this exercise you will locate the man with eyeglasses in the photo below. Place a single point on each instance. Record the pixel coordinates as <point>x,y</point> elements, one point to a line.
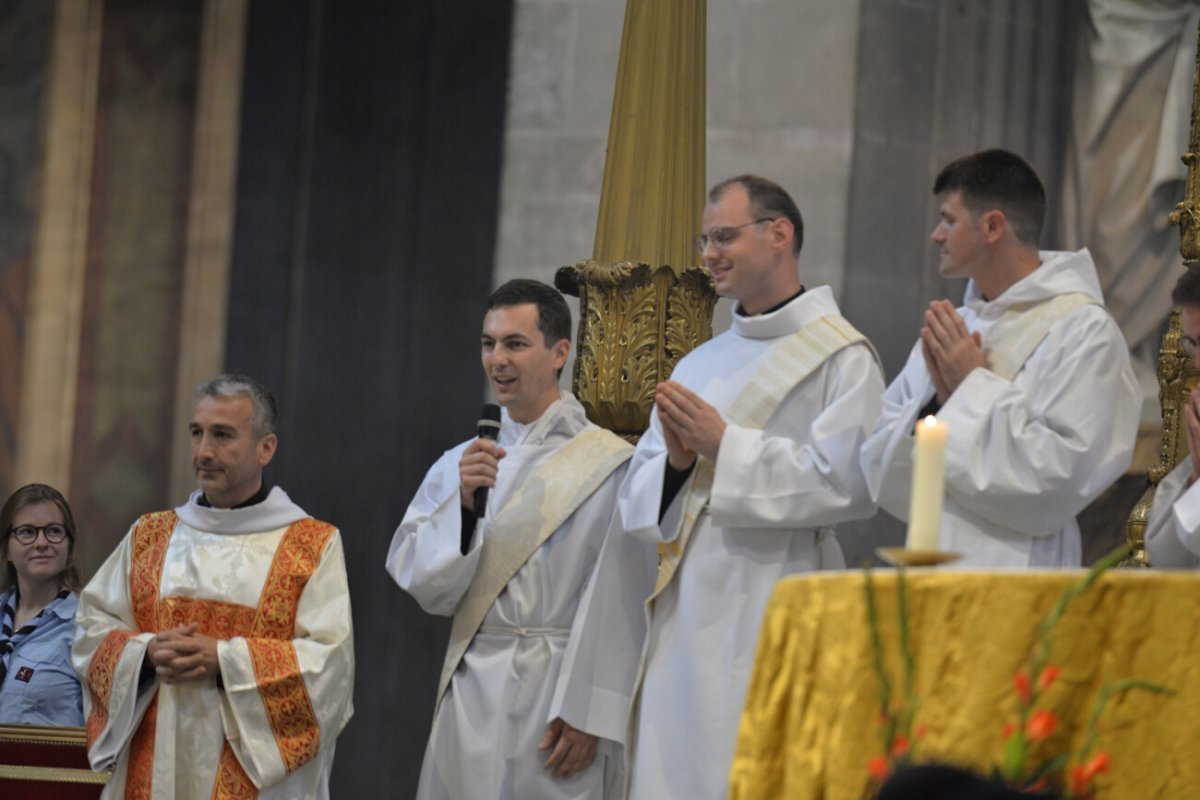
<point>215,644</point>
<point>1031,376</point>
<point>750,459</point>
<point>1173,528</point>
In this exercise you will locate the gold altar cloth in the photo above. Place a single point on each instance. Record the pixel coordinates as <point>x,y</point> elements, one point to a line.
<point>812,716</point>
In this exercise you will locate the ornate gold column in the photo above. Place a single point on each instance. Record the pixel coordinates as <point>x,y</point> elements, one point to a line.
<point>1177,371</point>
<point>643,301</point>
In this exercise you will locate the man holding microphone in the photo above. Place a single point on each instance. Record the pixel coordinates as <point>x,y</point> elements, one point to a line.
<point>533,699</point>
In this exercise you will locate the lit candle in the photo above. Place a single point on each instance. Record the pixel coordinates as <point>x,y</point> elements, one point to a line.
<point>928,485</point>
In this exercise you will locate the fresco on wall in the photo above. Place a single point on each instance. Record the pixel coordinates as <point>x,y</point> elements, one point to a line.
<point>25,27</point>
<point>135,260</point>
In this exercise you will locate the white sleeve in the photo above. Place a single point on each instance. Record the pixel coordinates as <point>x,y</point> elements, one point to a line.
<point>107,655</point>
<point>425,557</point>
<point>285,701</point>
<point>1173,528</point>
<point>808,480</point>
<point>596,681</point>
<point>887,452</point>
<point>640,496</point>
<point>1031,459</point>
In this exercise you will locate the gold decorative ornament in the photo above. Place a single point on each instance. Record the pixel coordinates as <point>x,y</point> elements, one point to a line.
<point>634,325</point>
<point>1177,372</point>
<point>643,301</point>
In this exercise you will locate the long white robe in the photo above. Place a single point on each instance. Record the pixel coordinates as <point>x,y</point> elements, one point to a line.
<point>526,665</point>
<point>280,605</point>
<point>775,494</point>
<point>1173,528</point>
<point>1023,457</point>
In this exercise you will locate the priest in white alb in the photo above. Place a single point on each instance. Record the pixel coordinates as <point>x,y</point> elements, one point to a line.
<point>533,699</point>
<point>750,460</point>
<point>1031,376</point>
<point>215,644</point>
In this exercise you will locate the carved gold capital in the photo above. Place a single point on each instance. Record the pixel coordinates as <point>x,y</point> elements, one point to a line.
<point>1188,220</point>
<point>635,323</point>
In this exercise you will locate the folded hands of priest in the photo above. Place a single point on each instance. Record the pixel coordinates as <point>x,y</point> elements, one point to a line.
<point>690,424</point>
<point>951,351</point>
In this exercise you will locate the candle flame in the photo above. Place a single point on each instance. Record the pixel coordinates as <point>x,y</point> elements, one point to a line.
<point>931,420</point>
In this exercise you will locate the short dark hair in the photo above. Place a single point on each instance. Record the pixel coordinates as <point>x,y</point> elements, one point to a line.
<point>264,414</point>
<point>1187,288</point>
<point>998,179</point>
<point>31,495</point>
<point>767,199</point>
<point>554,318</point>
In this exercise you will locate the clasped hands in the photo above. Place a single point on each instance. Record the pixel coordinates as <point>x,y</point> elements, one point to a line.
<point>690,425</point>
<point>951,351</point>
<point>181,654</point>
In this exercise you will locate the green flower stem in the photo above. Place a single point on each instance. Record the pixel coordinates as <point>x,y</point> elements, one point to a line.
<point>1107,692</point>
<point>885,686</point>
<point>1016,752</point>
<point>906,651</point>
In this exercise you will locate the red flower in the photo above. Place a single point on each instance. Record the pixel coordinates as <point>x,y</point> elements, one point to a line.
<point>1021,684</point>
<point>1077,779</point>
<point>1081,776</point>
<point>900,745</point>
<point>1040,725</point>
<point>920,731</point>
<point>1098,764</point>
<point>879,768</point>
<point>1049,675</point>
<point>1009,729</point>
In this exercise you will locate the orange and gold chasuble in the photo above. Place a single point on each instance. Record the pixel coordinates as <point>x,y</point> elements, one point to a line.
<point>268,630</point>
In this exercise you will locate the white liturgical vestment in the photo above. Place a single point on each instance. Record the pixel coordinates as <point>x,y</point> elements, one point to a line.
<point>528,660</point>
<point>269,583</point>
<point>775,492</point>
<point>1029,443</point>
<point>1173,528</point>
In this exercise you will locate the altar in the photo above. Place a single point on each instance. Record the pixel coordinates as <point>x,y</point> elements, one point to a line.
<point>813,719</point>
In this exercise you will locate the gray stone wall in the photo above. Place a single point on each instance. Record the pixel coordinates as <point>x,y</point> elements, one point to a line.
<point>780,103</point>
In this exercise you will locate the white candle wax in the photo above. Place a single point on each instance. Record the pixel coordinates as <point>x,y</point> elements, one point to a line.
<point>928,485</point>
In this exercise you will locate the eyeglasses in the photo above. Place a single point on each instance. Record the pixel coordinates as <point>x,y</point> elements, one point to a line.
<point>723,237</point>
<point>27,534</point>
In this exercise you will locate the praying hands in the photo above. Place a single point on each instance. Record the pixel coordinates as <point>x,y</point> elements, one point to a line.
<point>690,425</point>
<point>951,351</point>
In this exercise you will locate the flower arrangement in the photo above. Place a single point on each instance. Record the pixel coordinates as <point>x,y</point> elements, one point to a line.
<point>1071,775</point>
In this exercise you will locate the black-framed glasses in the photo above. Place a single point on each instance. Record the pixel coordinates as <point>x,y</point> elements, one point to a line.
<point>27,534</point>
<point>723,237</point>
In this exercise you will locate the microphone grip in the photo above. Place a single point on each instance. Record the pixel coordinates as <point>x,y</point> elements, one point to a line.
<point>481,502</point>
<point>489,428</point>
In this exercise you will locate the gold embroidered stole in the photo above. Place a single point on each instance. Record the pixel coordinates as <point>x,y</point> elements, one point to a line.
<point>534,511</point>
<point>1017,332</point>
<point>787,364</point>
<point>268,628</point>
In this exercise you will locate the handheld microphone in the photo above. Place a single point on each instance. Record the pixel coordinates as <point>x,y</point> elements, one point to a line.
<point>489,428</point>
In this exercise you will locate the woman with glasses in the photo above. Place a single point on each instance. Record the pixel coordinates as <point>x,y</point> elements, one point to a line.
<point>37,610</point>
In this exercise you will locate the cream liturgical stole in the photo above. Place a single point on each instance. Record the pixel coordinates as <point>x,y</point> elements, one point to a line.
<point>1014,336</point>
<point>787,364</point>
<point>534,512</point>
